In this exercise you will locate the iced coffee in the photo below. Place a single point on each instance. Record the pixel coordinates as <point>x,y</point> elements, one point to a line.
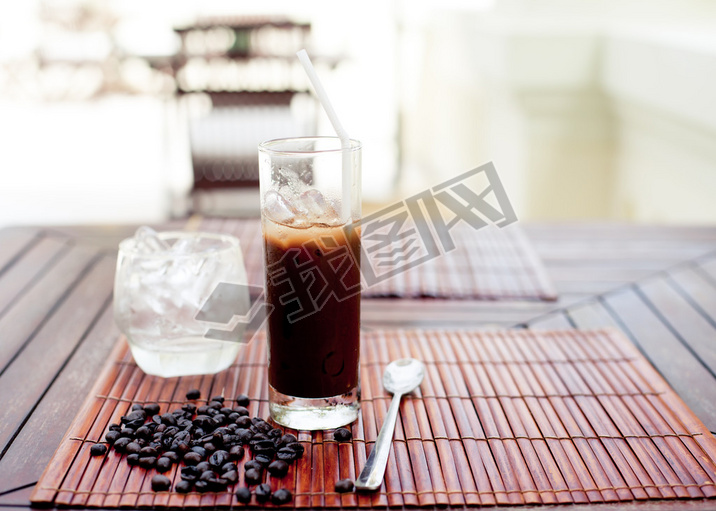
<point>312,281</point>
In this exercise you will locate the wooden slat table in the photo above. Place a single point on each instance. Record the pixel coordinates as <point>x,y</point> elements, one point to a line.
<point>656,284</point>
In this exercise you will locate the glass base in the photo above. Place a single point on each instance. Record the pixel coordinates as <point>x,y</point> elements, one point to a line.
<point>313,413</point>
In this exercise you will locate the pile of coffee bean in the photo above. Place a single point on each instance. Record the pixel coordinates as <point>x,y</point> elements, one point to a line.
<point>209,439</point>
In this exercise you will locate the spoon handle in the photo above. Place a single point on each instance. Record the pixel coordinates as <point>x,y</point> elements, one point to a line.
<point>372,475</point>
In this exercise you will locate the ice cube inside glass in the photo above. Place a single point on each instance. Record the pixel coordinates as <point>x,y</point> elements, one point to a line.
<point>158,294</point>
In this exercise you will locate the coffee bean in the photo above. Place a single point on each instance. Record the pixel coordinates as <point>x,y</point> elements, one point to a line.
<point>231,476</point>
<point>98,450</point>
<point>217,484</point>
<point>183,486</point>
<point>281,496</point>
<point>183,437</point>
<point>275,433</point>
<point>287,454</point>
<point>171,456</point>
<point>226,467</point>
<point>143,432</point>
<point>252,476</point>
<point>242,400</point>
<point>205,476</point>
<point>288,438</point>
<point>245,436</point>
<point>344,485</point>
<point>151,408</point>
<point>243,495</point>
<point>241,410</point>
<point>170,432</point>
<point>244,422</point>
<point>203,466</point>
<point>134,419</point>
<point>262,445</point>
<point>203,439</point>
<point>147,462</point>
<point>218,459</point>
<point>133,416</point>
<point>263,492</point>
<point>201,486</point>
<point>342,435</point>
<point>209,448</point>
<point>263,459</point>
<point>278,468</point>
<point>216,405</point>
<point>169,419</point>
<point>133,460</point>
<point>114,427</point>
<point>202,421</point>
<point>236,452</point>
<point>127,433</point>
<point>190,474</point>
<point>147,451</point>
<point>136,407</point>
<point>261,425</point>
<point>220,399</point>
<point>258,437</point>
<point>192,458</point>
<point>112,436</point>
<point>121,444</point>
<point>164,464</point>
<point>193,394</point>
<point>297,447</point>
<point>133,448</point>
<point>161,483</point>
<point>189,408</point>
<point>219,419</point>
<point>200,451</point>
<point>253,464</point>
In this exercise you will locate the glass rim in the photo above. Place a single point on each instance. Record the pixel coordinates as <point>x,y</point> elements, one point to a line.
<point>127,246</point>
<point>266,146</point>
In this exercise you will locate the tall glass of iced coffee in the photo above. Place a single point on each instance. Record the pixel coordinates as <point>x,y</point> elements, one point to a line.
<point>310,195</point>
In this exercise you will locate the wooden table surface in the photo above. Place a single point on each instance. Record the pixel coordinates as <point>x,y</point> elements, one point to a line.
<point>655,284</point>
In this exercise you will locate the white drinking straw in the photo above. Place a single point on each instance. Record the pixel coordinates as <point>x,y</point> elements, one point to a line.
<point>338,127</point>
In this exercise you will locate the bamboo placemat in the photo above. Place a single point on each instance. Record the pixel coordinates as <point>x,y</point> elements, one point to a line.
<point>509,417</point>
<point>488,264</point>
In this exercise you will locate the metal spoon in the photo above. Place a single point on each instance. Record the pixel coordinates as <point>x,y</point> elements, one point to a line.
<point>400,377</point>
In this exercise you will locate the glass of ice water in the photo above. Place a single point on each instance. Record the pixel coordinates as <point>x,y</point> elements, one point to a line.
<point>173,292</point>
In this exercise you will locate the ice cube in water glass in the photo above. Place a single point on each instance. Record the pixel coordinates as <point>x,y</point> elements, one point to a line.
<point>190,245</point>
<point>278,209</point>
<point>147,241</point>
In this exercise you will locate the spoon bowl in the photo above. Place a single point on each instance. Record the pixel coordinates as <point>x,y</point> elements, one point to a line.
<point>403,376</point>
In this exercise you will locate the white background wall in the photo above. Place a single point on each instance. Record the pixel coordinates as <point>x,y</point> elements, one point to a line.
<point>597,109</point>
<point>589,109</point>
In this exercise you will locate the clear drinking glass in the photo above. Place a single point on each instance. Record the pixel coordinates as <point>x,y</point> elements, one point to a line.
<point>310,194</point>
<point>162,291</point>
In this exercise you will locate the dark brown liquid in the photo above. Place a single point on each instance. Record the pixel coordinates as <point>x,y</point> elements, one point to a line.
<point>313,347</point>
